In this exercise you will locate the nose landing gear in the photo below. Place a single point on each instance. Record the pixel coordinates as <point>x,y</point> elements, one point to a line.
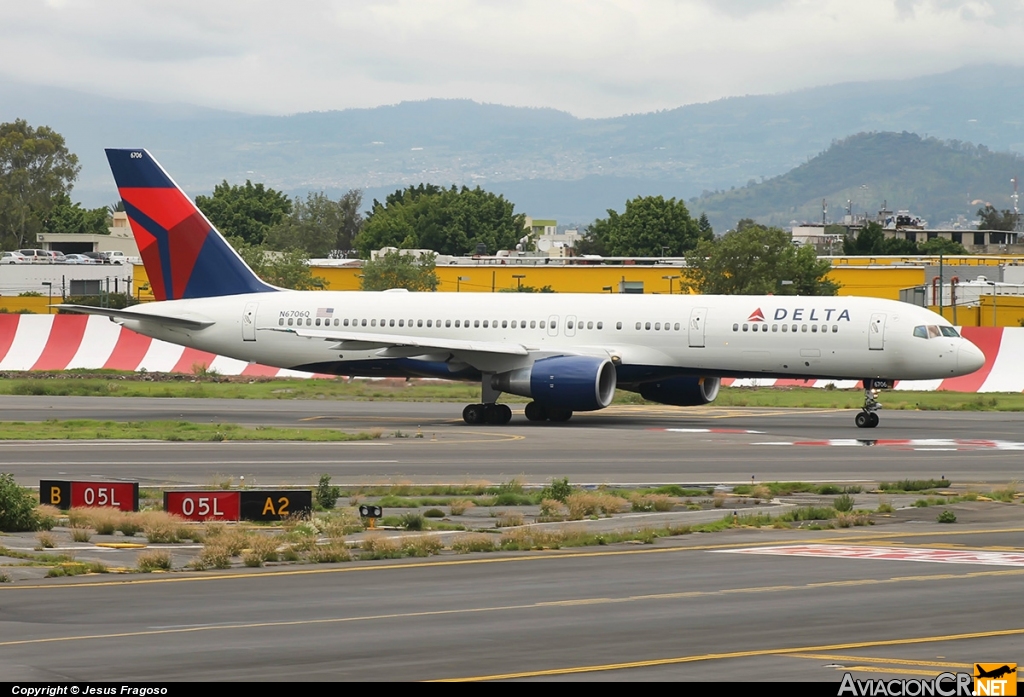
<point>868,416</point>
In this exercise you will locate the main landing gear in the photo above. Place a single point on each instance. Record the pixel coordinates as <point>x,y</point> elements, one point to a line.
<point>497,414</point>
<point>539,412</point>
<point>488,412</point>
<point>868,416</point>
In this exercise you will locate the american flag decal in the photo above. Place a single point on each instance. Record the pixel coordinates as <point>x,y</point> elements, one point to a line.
<point>324,312</point>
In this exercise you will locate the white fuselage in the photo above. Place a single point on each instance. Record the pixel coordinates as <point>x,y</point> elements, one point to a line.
<point>646,336</point>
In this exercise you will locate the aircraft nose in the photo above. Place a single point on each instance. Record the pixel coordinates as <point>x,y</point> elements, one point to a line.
<point>969,358</point>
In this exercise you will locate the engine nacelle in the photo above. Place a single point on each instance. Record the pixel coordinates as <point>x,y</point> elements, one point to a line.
<point>578,383</point>
<point>682,392</point>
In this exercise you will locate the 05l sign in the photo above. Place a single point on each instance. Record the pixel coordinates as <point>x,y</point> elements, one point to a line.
<point>202,505</point>
<point>63,494</point>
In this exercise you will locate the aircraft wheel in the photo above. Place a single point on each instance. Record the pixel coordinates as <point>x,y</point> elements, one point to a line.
<point>535,412</point>
<point>559,415</point>
<point>863,420</point>
<point>504,412</point>
<point>473,414</point>
<point>873,420</point>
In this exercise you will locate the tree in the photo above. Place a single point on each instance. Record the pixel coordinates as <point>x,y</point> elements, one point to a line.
<point>247,212</point>
<point>991,219</point>
<point>35,169</point>
<point>447,221</point>
<point>320,226</point>
<point>67,217</point>
<point>756,261</point>
<point>287,269</point>
<point>398,269</point>
<point>942,245</point>
<point>704,225</point>
<point>651,226</point>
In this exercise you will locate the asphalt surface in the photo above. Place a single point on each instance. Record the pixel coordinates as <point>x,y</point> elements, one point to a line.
<point>707,445</point>
<point>689,608</point>
<point>681,610</point>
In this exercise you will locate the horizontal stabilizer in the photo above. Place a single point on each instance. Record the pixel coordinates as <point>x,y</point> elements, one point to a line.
<point>193,322</point>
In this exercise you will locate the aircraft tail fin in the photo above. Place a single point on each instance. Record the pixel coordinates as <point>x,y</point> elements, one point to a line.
<point>184,254</point>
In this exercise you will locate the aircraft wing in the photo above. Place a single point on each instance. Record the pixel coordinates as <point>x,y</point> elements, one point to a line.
<point>404,345</point>
<point>194,322</point>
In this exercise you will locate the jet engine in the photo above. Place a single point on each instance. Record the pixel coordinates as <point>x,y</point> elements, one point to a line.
<point>682,392</point>
<point>577,383</point>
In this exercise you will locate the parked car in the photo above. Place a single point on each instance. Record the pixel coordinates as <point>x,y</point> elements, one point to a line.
<point>56,257</point>
<point>14,258</point>
<point>98,257</point>
<point>79,259</point>
<point>37,256</point>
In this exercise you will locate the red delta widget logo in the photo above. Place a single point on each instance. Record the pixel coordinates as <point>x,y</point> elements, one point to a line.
<point>804,314</point>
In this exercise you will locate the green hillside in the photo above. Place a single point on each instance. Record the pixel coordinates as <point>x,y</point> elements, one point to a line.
<point>934,179</point>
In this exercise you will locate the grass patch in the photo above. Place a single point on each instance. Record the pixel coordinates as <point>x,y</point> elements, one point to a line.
<point>154,560</point>
<point>87,429</point>
<point>911,485</point>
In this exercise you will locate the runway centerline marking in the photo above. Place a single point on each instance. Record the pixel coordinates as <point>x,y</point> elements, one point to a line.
<point>936,555</point>
<point>569,602</point>
<point>677,660</point>
<point>872,659</point>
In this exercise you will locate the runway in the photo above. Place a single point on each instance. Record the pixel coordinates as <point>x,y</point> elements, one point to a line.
<point>906,598</point>
<point>627,444</point>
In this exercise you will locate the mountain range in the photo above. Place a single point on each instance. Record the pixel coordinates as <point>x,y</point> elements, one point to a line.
<point>550,163</point>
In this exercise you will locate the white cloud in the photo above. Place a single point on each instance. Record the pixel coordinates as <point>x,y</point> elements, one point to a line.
<point>589,57</point>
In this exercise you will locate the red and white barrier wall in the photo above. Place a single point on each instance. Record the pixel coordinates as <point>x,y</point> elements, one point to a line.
<point>59,342</point>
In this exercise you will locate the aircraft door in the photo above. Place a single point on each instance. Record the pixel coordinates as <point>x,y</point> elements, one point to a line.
<point>249,322</point>
<point>697,318</point>
<point>876,332</point>
<point>570,325</point>
<point>553,325</point>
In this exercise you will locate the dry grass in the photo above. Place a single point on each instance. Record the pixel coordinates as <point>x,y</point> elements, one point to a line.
<point>379,547</point>
<point>477,542</point>
<point>583,504</point>
<point>262,549</point>
<point>651,502</point>
<point>130,524</point>
<point>330,553</point>
<point>163,528</point>
<point>214,557</point>
<point>81,534</point>
<point>48,516</point>
<point>154,560</point>
<point>552,508</point>
<point>508,519</point>
<point>45,541</point>
<point>719,499</point>
<point>424,546</point>
<point>761,493</point>
<point>526,539</point>
<point>460,506</point>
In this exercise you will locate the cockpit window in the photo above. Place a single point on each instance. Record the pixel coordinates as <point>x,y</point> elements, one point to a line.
<point>933,331</point>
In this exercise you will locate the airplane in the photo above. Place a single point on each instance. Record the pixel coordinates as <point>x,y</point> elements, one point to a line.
<point>566,352</point>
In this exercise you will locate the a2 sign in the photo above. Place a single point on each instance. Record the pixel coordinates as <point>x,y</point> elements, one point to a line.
<point>191,505</point>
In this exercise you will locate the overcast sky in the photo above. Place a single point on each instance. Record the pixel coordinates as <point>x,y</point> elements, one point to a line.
<point>589,57</point>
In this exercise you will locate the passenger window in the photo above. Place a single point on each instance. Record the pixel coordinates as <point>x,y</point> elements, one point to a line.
<point>308,321</point>
<point>373,323</point>
<point>764,327</point>
<point>391,323</point>
<point>794,328</point>
<point>657,326</point>
<point>775,327</point>
<point>513,324</point>
<point>647,326</point>
<point>533,324</point>
<point>336,322</point>
<point>485,324</point>
<point>419,323</point>
<point>618,325</point>
<point>447,323</point>
<point>552,325</point>
<point>280,322</point>
<point>785,327</point>
<point>364,322</point>
<point>803,327</point>
<point>430,323</point>
<point>569,324</point>
<point>735,327</point>
<point>346,322</point>
<point>456,324</point>
<point>289,321</point>
<point>814,329</point>
<point>600,325</point>
<point>401,323</point>
<point>476,323</point>
<point>676,327</point>
<point>590,325</point>
<point>504,324</point>
<point>835,328</point>
<point>744,327</point>
<point>638,326</point>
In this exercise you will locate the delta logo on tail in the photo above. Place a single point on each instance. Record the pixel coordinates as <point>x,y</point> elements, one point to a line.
<point>756,316</point>
<point>184,255</point>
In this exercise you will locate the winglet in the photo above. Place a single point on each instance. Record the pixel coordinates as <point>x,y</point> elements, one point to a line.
<point>185,256</point>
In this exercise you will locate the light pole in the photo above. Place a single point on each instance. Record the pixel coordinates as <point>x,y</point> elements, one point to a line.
<point>519,280</point>
<point>458,282</point>
<point>670,279</point>
<point>49,296</point>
